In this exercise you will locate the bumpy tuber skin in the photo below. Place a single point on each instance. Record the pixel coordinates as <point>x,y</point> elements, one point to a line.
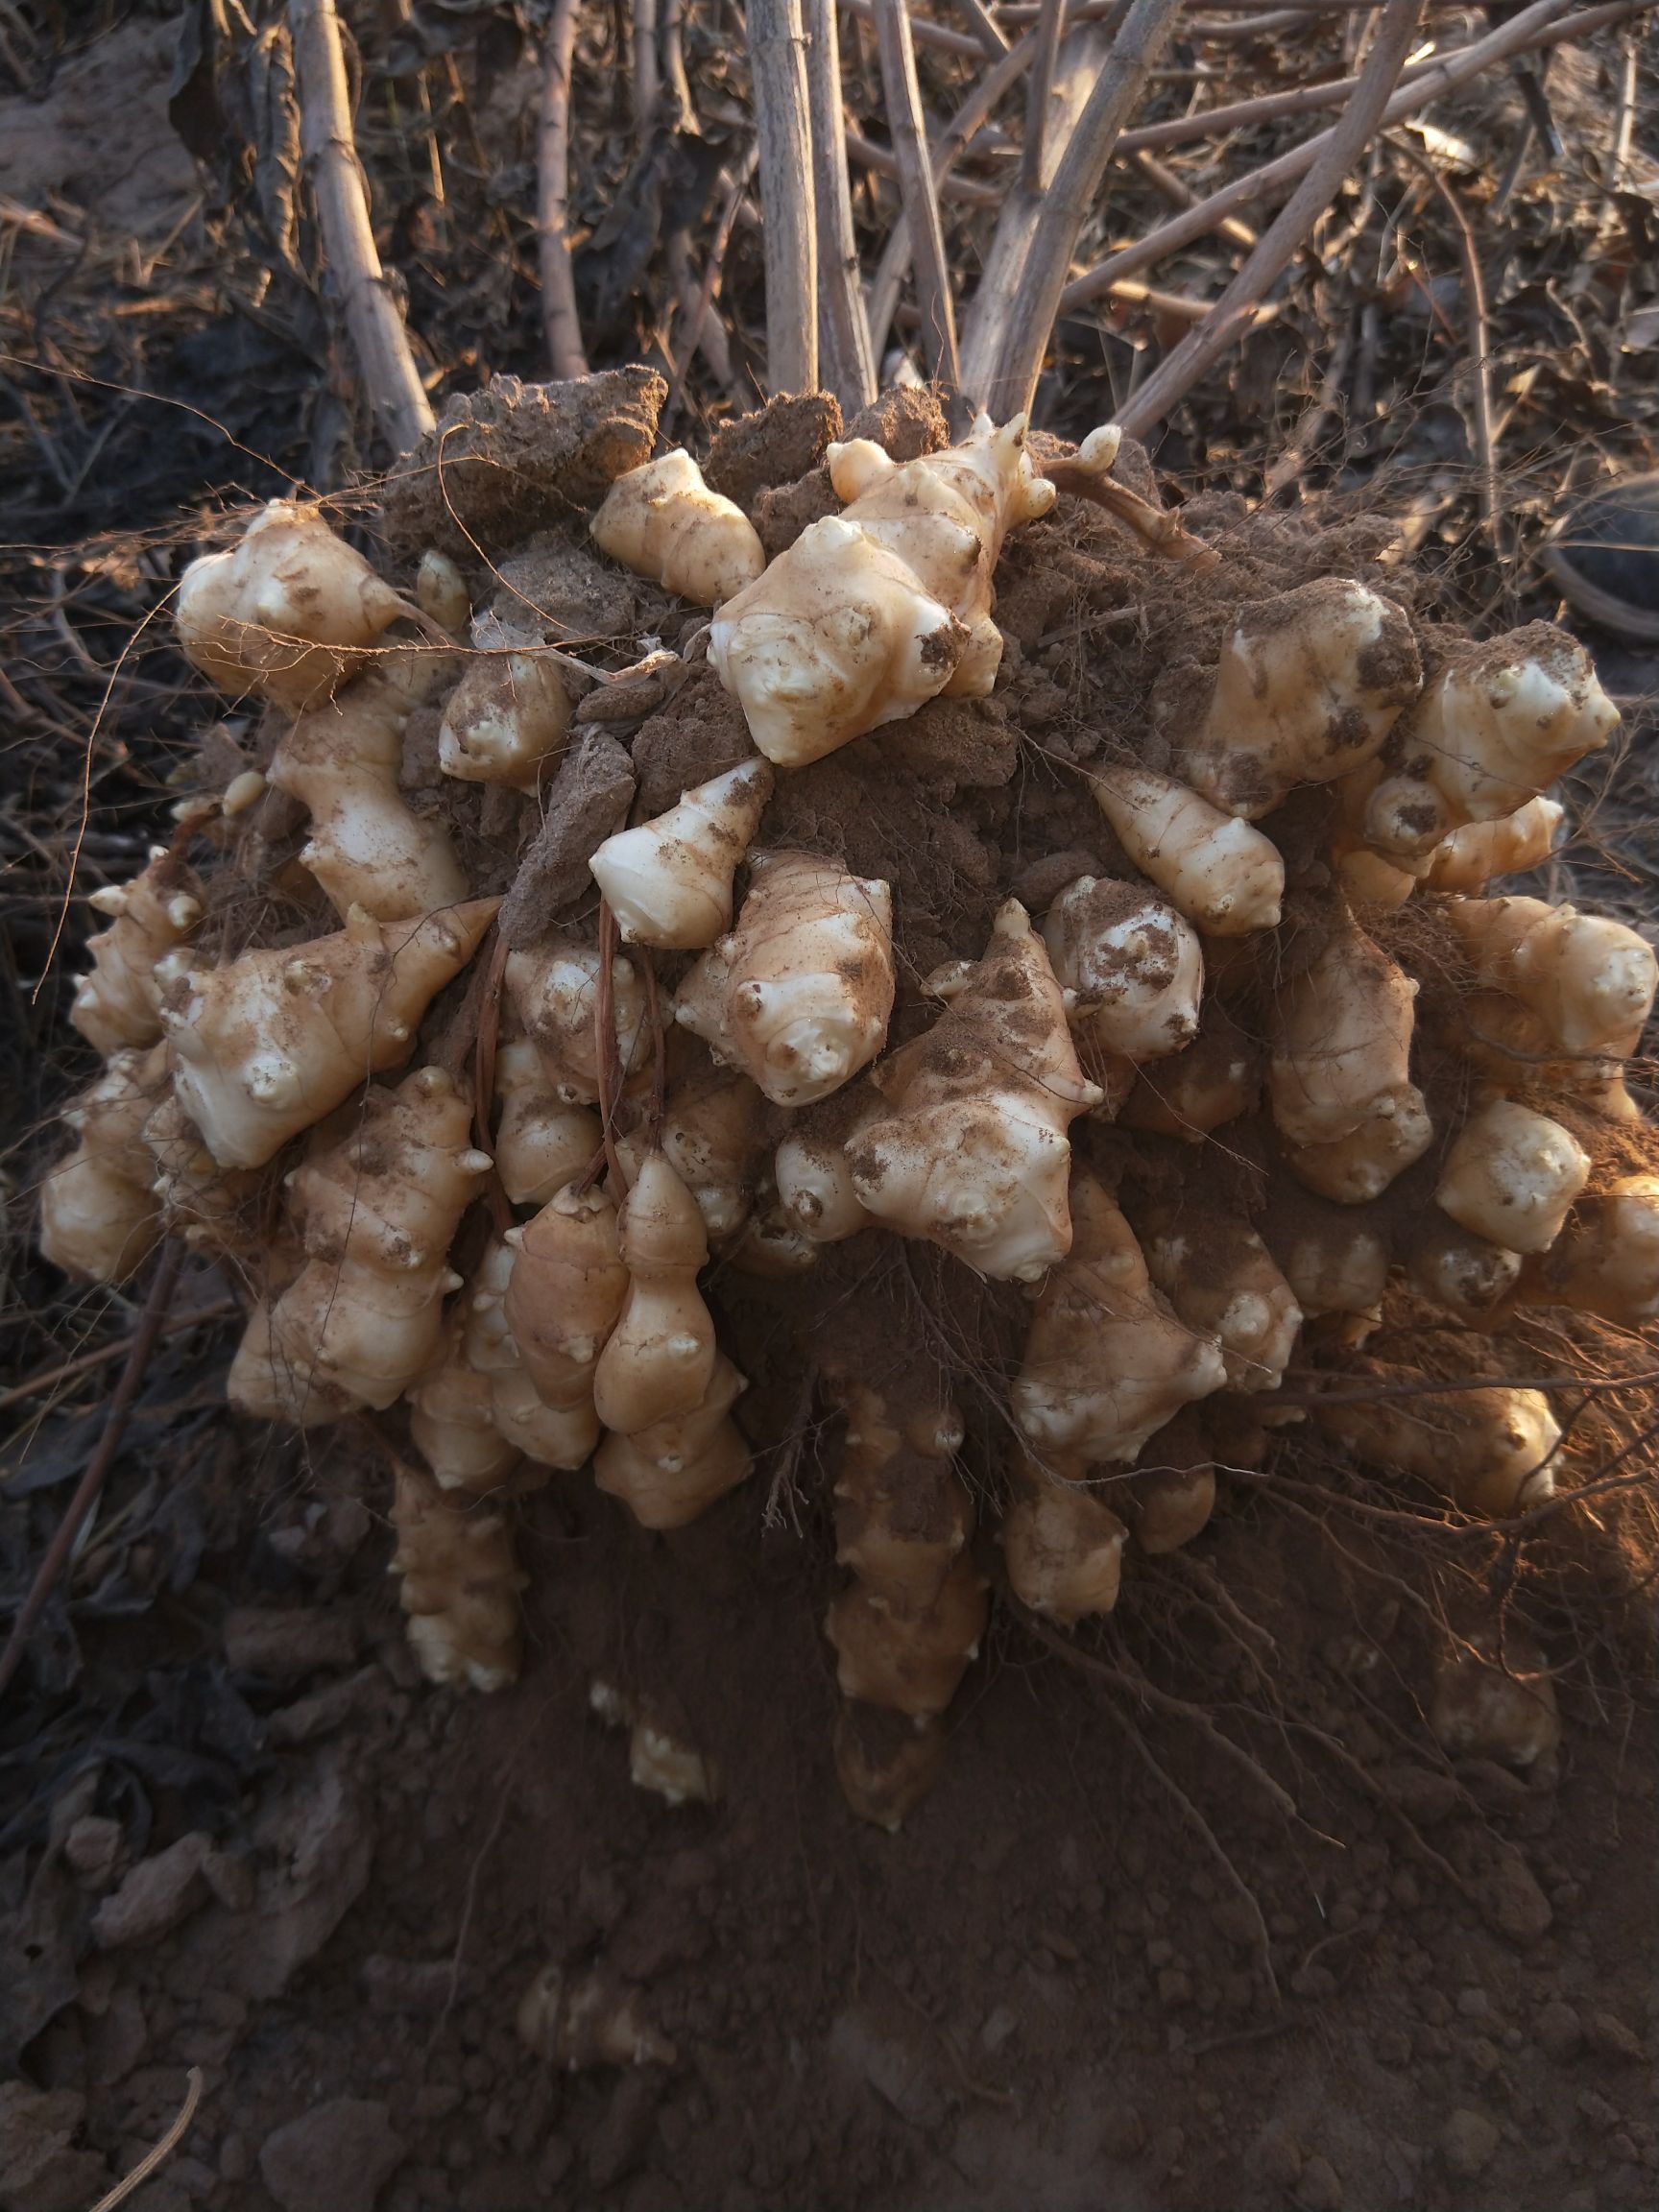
<point>540,1143</point>
<point>459,1585</point>
<point>672,1471</point>
<point>199,1199</point>
<point>364,1318</point>
<point>946,514</point>
<point>1223,1281</point>
<point>1340,1070</point>
<point>1606,1259</point>
<point>711,1134</point>
<point>973,1152</point>
<point>1470,857</point>
<point>1335,1260</point>
<point>119,1002</point>
<point>341,760</point>
<point>1222,874</point>
<point>1466,1275</point>
<point>289,612</point>
<point>814,1179</point>
<point>798,996</point>
<point>658,1361</point>
<point>564,1295</point>
<point>670,881</point>
<point>1207,1083</point>
<point>837,638</point>
<point>1505,1043</point>
<point>1512,1175</point>
<point>452,1422</point>
<point>1489,1451</point>
<point>553,990</point>
<point>1062,1545</point>
<point>98,1214</point>
<point>509,716</point>
<point>267,1045</point>
<point>441,591</point>
<point>1107,1363</point>
<point>1171,1494</point>
<point>1589,979</point>
<point>885,1762</point>
<point>1309,685</point>
<point>1490,732</point>
<point>1131,965</point>
<point>665,522</point>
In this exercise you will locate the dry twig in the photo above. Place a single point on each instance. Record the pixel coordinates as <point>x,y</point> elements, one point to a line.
<point>783,125</point>
<point>846,357</point>
<point>559,321</point>
<point>916,187</point>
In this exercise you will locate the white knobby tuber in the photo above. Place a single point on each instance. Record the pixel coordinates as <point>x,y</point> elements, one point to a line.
<point>1490,1450</point>
<point>452,1419</point>
<point>341,760</point>
<point>671,1471</point>
<point>565,1293</point>
<point>459,1584</point>
<point>1470,857</point>
<point>1132,967</point>
<point>799,993</point>
<point>1222,874</point>
<point>553,992</point>
<point>377,1211</point>
<point>1606,1259</point>
<point>269,1043</point>
<point>1512,1175</point>
<point>670,881</point>
<point>973,1152</point>
<point>1308,687</point>
<point>658,1361</point>
<point>289,612</point>
<point>1063,1546</point>
<point>711,1134</point>
<point>1208,1083</point>
<point>441,591</point>
<point>1107,1363</point>
<point>663,521</point>
<point>815,1189</point>
<point>510,714</point>
<point>118,1003</point>
<point>1223,1281</point>
<point>1464,1274</point>
<point>98,1214</point>
<point>1589,979</point>
<point>541,1142</point>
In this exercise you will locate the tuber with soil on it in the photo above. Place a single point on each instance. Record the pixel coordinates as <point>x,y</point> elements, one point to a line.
<point>1051,1218</point>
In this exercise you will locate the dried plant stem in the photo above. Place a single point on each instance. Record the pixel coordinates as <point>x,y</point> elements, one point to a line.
<point>163,2152</point>
<point>647,78</point>
<point>1065,204</point>
<point>987,32</point>
<point>909,134</point>
<point>1480,367</point>
<point>560,324</point>
<point>783,125</point>
<point>151,1321</point>
<point>1157,529</point>
<point>1037,93</point>
<point>1233,313</point>
<point>698,321</point>
<point>373,321</point>
<point>846,357</point>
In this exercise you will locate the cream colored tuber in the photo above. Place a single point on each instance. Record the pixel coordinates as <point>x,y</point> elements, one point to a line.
<point>341,760</point>
<point>1131,966</point>
<point>973,1152</point>
<point>541,1143</point>
<point>1207,1083</point>
<point>553,990</point>
<point>441,591</point>
<point>1335,1260</point>
<point>565,1293</point>
<point>1491,1451</point>
<point>1308,687</point>
<point>1464,1274</point>
<point>1511,1176</point>
<point>1223,1281</point>
<point>1494,1700</point>
<point>377,1211</point>
<point>711,1134</point>
<point>1171,1494</point>
<point>1107,1363</point>
<point>290,611</point>
<point>1589,979</point>
<point>267,1045</point>
<point>1606,1259</point>
<point>1470,857</point>
<point>672,1471</point>
<point>799,993</point>
<point>589,2019</point>
<point>1222,874</point>
<point>670,881</point>
<point>1062,1545</point>
<point>452,1420</point>
<point>815,1188</point>
<point>98,1214</point>
<point>665,522</point>
<point>658,1361</point>
<point>459,1584</point>
<point>510,714</point>
<point>119,1002</point>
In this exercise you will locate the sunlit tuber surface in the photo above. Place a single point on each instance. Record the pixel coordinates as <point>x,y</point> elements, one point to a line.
<point>119,1002</point>
<point>1223,875</point>
<point>1606,1259</point>
<point>658,1361</point>
<point>1470,857</point>
<point>98,1212</point>
<point>670,881</point>
<point>1511,1176</point>
<point>665,522</point>
<point>1490,1450</point>
<point>1590,980</point>
<point>1133,965</point>
<point>509,715</point>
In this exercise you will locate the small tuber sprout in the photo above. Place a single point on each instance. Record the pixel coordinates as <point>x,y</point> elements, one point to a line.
<point>1470,857</point>
<point>1589,979</point>
<point>99,1212</point>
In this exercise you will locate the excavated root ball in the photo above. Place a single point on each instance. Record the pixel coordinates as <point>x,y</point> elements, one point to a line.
<point>1003,1069</point>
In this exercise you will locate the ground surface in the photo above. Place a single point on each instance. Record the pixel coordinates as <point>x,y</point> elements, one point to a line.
<point>1103,1966</point>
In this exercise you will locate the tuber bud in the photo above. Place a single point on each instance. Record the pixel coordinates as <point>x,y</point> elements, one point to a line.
<point>1511,1176</point>
<point>1490,1450</point>
<point>671,1471</point>
<point>814,1179</point>
<point>1107,1363</point>
<point>658,1361</point>
<point>1062,1545</point>
<point>1131,964</point>
<point>1465,1274</point>
<point>460,1584</point>
<point>1606,1259</point>
<point>1589,979</point>
<point>1471,856</point>
<point>799,993</point>
<point>1222,874</point>
<point>565,1293</point>
<point>1310,685</point>
<point>118,1003</point>
<point>509,715</point>
<point>973,1152</point>
<point>665,522</point>
<point>540,1143</point>
<point>553,990</point>
<point>1340,1069</point>
<point>99,1214</point>
<point>1223,1281</point>
<point>670,881</point>
<point>271,1043</point>
<point>289,612</point>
